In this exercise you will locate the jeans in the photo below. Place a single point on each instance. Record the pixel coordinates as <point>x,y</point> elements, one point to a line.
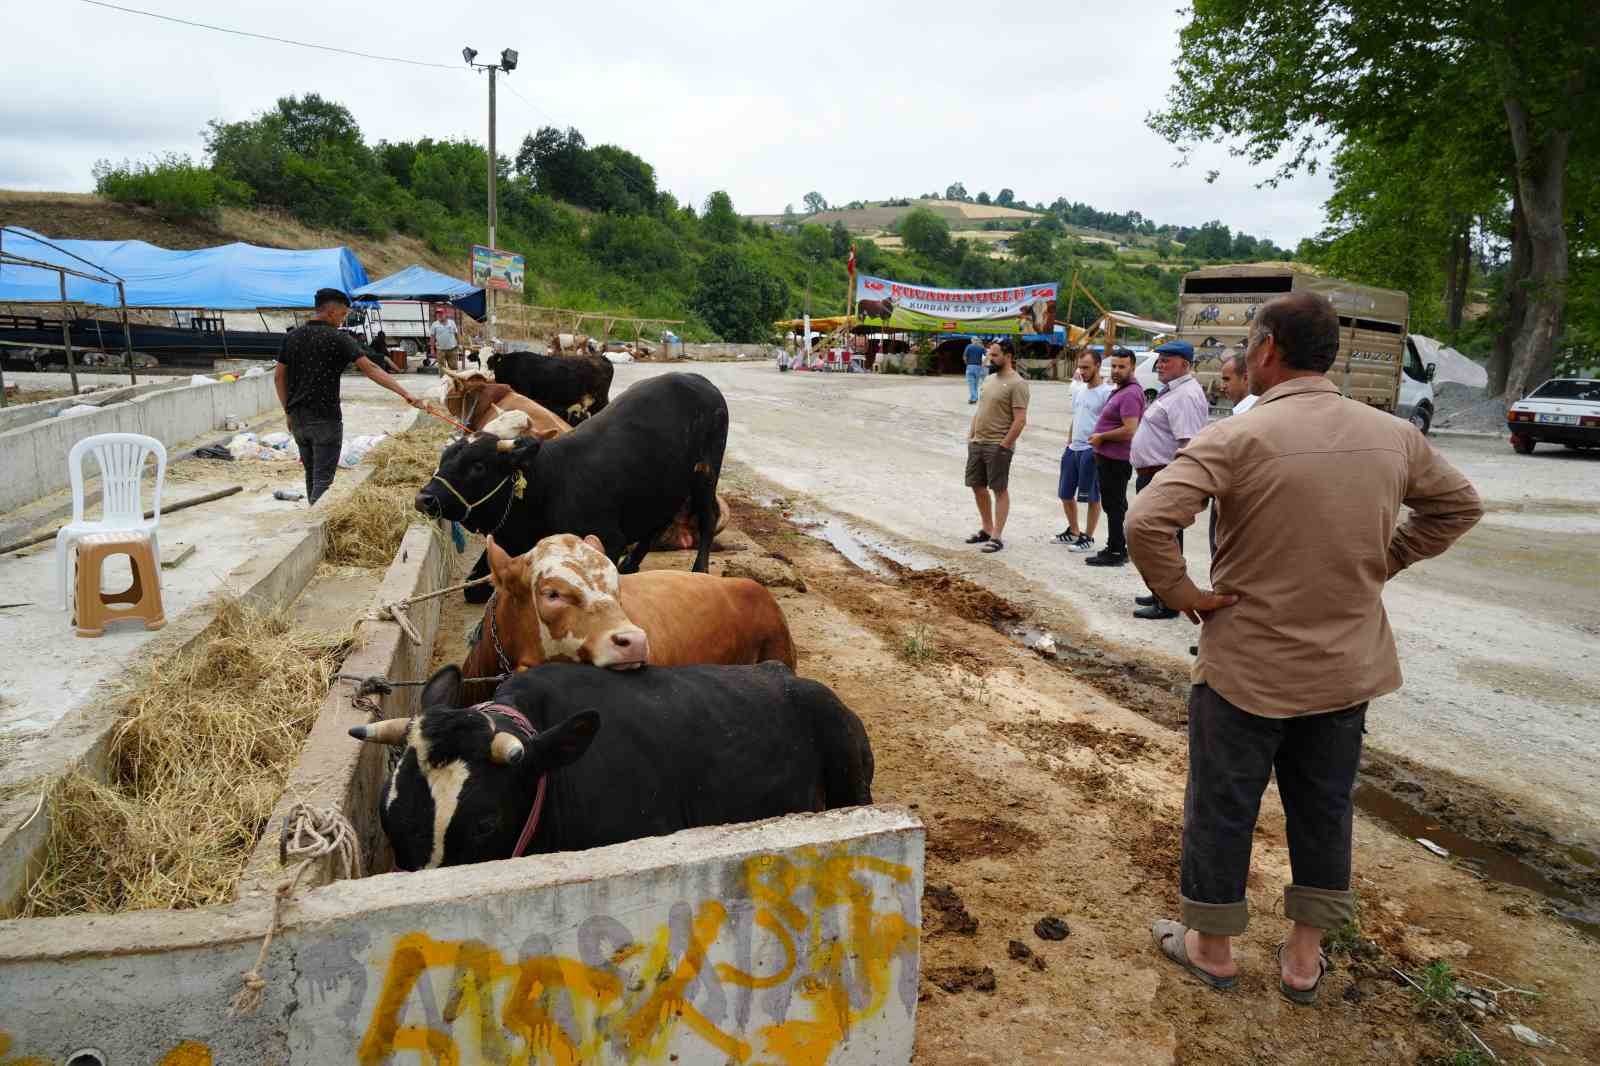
<point>1232,754</point>
<point>319,444</point>
<point>974,380</point>
<point>1114,475</point>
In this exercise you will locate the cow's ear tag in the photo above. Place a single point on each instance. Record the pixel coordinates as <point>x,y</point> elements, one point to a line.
<point>519,485</point>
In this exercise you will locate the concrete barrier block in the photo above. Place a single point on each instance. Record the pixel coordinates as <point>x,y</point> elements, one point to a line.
<point>792,940</point>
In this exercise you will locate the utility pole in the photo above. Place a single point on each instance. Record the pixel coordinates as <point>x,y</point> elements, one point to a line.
<point>508,63</point>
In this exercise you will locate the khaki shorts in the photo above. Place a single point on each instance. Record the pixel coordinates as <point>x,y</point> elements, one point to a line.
<point>988,466</point>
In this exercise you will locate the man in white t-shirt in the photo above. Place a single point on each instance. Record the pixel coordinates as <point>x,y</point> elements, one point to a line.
<point>443,340</point>
<point>1079,483</point>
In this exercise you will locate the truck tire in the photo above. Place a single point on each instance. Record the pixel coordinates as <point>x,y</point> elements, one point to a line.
<point>1422,418</point>
<point>1522,444</point>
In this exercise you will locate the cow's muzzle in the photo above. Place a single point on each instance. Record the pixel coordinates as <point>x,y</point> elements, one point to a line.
<point>622,649</point>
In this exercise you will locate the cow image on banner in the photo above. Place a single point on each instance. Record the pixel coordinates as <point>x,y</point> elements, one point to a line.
<point>898,305</point>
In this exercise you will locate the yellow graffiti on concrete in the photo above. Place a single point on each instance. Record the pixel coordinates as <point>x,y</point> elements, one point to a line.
<point>187,1053</point>
<point>505,1011</point>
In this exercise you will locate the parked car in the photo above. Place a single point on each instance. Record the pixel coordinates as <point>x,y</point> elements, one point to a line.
<point>1561,411</point>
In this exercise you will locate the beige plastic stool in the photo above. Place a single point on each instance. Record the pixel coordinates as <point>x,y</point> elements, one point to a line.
<point>93,608</point>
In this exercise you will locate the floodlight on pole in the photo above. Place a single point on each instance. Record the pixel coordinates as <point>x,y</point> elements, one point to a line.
<point>508,63</point>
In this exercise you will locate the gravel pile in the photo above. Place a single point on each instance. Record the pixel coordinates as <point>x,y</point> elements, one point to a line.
<point>1465,408</point>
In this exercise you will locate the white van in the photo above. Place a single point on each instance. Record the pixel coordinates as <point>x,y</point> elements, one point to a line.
<point>1416,382</point>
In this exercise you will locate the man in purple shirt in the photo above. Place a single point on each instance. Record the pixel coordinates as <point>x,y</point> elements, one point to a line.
<point>1179,411</point>
<point>1113,433</point>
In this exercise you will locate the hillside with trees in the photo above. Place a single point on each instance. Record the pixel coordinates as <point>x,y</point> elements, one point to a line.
<point>598,231</point>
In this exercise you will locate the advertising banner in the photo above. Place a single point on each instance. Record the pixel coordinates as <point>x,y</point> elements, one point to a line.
<point>898,305</point>
<point>494,269</point>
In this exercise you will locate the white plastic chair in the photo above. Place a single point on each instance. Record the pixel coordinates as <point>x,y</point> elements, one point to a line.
<point>121,457</point>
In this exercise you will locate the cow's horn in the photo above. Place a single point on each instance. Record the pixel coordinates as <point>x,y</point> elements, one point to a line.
<point>505,445</point>
<point>505,749</point>
<point>391,731</point>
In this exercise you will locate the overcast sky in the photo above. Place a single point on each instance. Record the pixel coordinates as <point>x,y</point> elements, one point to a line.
<point>767,100</point>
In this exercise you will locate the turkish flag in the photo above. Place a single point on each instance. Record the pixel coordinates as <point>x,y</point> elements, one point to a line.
<point>850,264</point>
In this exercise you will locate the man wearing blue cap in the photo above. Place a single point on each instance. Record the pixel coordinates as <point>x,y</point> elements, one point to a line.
<point>1179,411</point>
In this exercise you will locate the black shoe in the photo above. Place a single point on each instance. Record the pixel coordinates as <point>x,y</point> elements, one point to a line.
<point>1066,536</point>
<point>978,538</point>
<point>1147,601</point>
<point>1160,612</point>
<point>1107,558</point>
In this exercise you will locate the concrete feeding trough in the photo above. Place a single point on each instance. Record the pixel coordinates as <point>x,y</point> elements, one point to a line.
<point>790,940</point>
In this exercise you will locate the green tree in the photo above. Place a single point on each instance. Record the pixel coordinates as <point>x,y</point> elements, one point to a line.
<point>737,297</point>
<point>814,202</point>
<point>955,191</point>
<point>1005,198</point>
<point>720,221</point>
<point>983,197</point>
<point>1280,79</point>
<point>1032,244</point>
<point>926,233</point>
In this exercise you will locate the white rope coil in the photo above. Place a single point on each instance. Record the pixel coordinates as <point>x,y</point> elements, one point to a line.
<point>309,833</point>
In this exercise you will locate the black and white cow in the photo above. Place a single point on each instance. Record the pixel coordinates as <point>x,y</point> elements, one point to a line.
<point>625,755</point>
<point>621,476</point>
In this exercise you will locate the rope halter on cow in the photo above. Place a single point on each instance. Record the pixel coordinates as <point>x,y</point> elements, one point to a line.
<point>519,485</point>
<point>505,748</point>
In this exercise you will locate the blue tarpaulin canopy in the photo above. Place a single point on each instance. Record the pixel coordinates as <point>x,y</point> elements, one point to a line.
<point>420,283</point>
<point>231,277</point>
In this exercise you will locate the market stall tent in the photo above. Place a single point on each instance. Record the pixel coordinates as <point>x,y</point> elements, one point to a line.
<point>230,277</point>
<point>426,286</point>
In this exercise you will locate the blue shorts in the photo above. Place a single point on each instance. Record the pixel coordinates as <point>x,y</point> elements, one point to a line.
<point>1078,476</point>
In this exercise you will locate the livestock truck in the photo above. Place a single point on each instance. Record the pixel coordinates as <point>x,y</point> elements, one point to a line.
<point>1216,306</point>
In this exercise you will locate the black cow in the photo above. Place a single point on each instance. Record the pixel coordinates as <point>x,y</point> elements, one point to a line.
<point>575,386</point>
<point>627,756</point>
<point>622,476</point>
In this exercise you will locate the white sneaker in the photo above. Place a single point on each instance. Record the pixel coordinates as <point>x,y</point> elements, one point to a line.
<point>1084,543</point>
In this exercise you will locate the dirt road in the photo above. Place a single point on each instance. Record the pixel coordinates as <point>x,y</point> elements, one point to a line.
<point>1501,707</point>
<point>1044,798</point>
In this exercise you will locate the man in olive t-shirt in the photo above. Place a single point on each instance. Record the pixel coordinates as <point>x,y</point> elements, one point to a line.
<point>1002,413</point>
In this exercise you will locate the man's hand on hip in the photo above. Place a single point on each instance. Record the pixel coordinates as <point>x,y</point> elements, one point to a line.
<point>1209,602</point>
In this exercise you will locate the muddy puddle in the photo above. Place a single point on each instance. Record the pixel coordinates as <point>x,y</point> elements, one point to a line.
<point>861,548</point>
<point>874,555</point>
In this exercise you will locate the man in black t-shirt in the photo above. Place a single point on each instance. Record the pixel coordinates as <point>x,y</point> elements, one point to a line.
<point>307,377</point>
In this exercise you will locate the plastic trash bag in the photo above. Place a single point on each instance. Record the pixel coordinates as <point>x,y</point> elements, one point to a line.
<point>357,449</point>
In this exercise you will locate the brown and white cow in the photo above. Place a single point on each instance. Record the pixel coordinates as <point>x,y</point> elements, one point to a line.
<point>476,399</point>
<point>572,344</point>
<point>565,602</point>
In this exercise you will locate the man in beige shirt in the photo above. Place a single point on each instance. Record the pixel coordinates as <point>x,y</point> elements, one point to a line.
<point>1309,489</point>
<point>991,441</point>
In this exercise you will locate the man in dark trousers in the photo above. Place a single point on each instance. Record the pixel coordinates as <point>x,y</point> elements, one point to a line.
<point>1112,440</point>
<point>1295,640</point>
<point>307,376</point>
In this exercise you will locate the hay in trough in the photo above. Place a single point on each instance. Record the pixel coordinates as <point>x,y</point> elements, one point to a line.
<point>203,744</point>
<point>365,528</point>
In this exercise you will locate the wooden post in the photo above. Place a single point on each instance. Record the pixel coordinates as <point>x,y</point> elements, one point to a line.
<point>66,334</point>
